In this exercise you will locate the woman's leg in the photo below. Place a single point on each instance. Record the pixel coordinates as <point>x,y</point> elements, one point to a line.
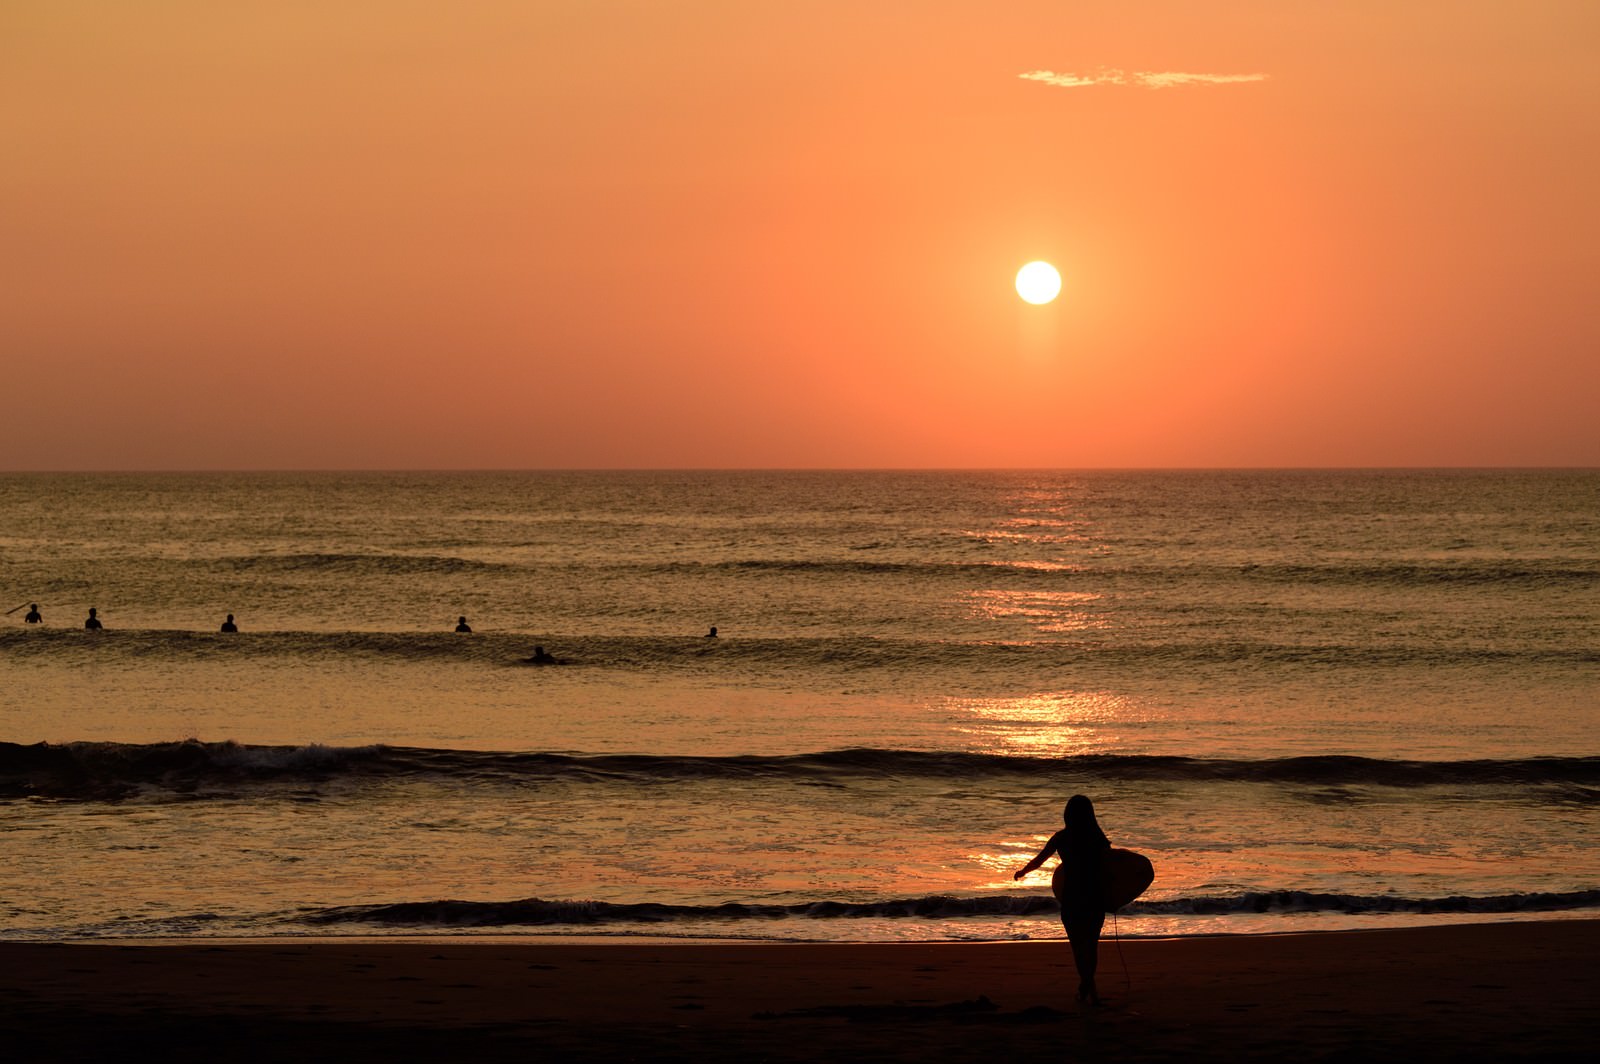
<point>1083,931</point>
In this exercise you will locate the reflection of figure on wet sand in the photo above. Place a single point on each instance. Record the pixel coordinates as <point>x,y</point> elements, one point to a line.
<point>228,625</point>
<point>33,616</point>
<point>1082,847</point>
<point>541,658</point>
<point>463,626</point>
<point>93,623</point>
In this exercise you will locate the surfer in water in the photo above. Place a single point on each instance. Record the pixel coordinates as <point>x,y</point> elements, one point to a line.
<point>541,657</point>
<point>1082,847</point>
<point>462,626</point>
<point>93,623</point>
<point>33,616</point>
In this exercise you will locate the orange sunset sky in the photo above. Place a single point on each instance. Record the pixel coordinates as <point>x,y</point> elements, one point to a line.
<point>581,233</point>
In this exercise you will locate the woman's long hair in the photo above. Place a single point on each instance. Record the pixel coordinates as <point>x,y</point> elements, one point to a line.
<point>1083,830</point>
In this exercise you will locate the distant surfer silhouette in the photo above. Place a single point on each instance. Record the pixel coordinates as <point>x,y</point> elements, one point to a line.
<point>93,623</point>
<point>228,625</point>
<point>713,633</point>
<point>542,658</point>
<point>1082,847</point>
<point>463,626</point>
<point>33,616</point>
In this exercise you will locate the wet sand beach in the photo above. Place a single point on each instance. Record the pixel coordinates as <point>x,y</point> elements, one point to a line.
<point>1484,992</point>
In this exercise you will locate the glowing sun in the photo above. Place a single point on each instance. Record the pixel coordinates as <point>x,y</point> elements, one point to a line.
<point>1038,282</point>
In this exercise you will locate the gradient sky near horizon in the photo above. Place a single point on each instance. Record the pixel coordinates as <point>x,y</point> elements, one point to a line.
<point>503,234</point>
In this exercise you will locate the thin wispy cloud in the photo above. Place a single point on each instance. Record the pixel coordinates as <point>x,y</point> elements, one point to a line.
<point>1144,79</point>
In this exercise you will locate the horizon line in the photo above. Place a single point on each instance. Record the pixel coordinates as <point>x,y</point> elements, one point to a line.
<point>345,470</point>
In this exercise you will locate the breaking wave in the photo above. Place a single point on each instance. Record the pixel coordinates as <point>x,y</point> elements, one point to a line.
<point>112,771</point>
<point>537,912</point>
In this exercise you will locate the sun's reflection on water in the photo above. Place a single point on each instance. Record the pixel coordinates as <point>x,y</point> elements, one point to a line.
<point>1004,862</point>
<point>1044,724</point>
<point>1025,532</point>
<point>1037,566</point>
<point>1045,611</point>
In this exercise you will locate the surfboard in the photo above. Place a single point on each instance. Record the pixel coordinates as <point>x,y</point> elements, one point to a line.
<point>1124,875</point>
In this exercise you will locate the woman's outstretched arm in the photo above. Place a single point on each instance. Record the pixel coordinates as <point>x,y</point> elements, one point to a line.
<point>1043,856</point>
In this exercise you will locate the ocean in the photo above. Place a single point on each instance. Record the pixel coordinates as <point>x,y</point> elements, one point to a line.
<point>1314,699</point>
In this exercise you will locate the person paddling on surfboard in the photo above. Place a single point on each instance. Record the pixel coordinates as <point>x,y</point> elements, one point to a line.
<point>1082,847</point>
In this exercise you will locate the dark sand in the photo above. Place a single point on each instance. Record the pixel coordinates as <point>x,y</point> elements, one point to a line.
<point>1479,992</point>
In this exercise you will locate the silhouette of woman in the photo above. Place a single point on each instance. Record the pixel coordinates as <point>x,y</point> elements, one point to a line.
<point>1082,847</point>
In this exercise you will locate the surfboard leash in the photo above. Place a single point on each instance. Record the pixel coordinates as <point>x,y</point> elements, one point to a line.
<point>1117,938</point>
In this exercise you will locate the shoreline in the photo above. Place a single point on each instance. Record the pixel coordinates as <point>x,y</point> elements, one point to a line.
<point>623,938</point>
<point>527,936</point>
<point>1464,991</point>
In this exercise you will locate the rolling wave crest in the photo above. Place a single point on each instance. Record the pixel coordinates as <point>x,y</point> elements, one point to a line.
<point>112,771</point>
<point>537,912</point>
